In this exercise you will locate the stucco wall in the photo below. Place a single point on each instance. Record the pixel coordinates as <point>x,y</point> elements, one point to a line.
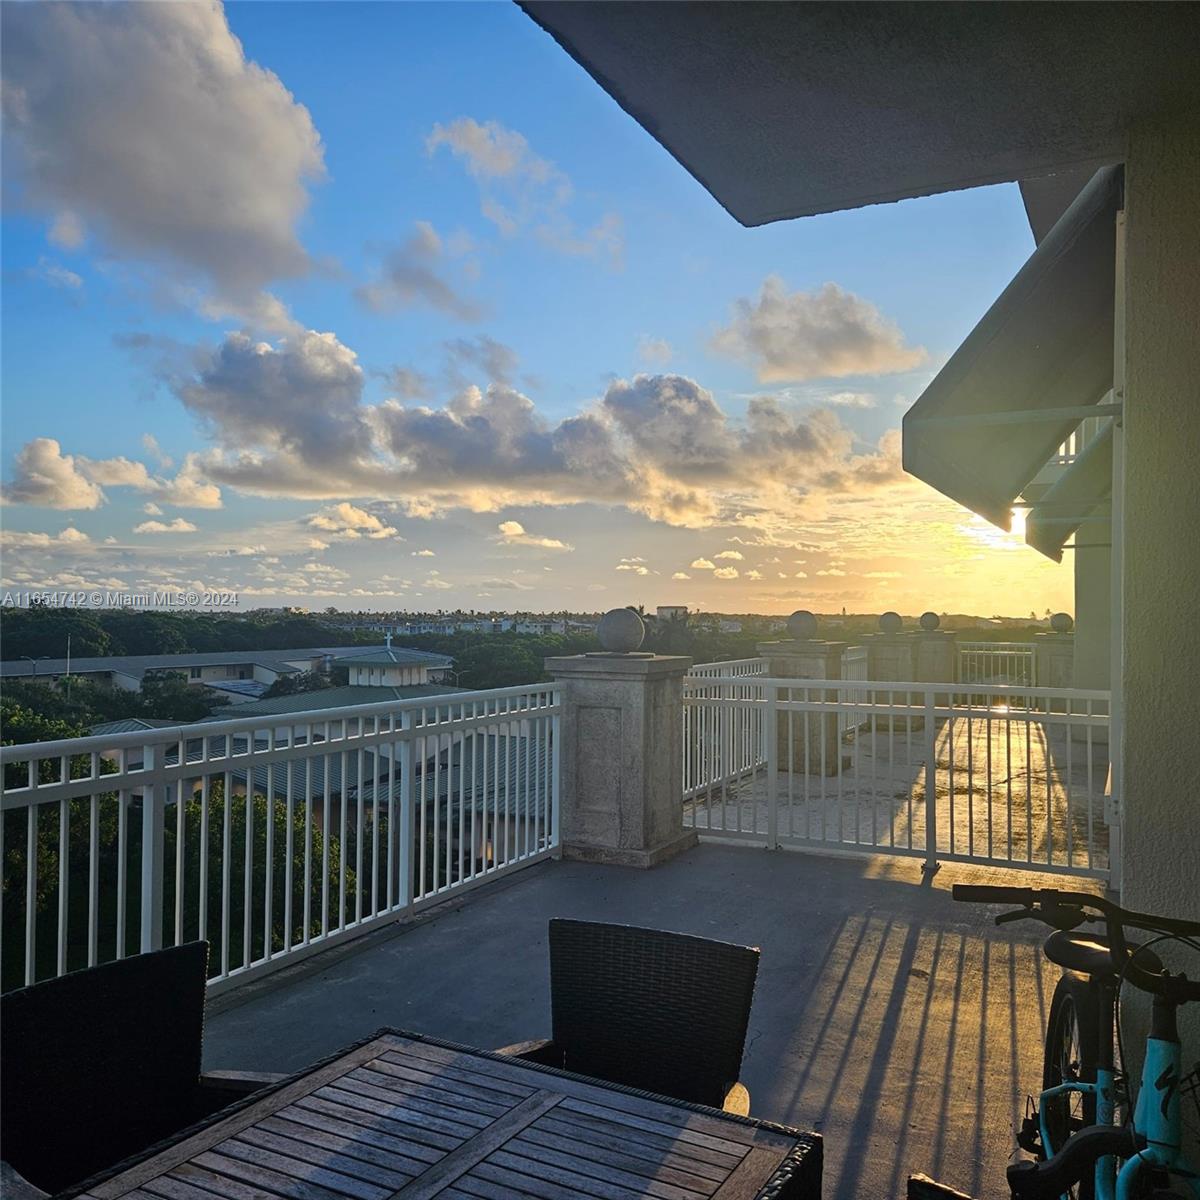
<point>1161,576</point>
<point>1162,520</point>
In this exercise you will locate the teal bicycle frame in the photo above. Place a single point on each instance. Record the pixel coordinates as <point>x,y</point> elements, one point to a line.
<point>1157,1116</point>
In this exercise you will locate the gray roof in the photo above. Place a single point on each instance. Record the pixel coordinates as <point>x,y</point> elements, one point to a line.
<point>391,656</point>
<point>239,687</point>
<point>130,725</point>
<point>137,665</point>
<point>337,697</point>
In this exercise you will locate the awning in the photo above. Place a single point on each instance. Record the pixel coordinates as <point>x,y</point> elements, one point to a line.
<point>1010,395</point>
<point>1080,495</point>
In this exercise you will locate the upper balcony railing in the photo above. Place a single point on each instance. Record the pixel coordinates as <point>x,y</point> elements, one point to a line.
<point>995,773</point>
<point>269,836</point>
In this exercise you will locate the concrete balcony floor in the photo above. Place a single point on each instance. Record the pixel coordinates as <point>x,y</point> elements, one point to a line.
<point>902,1026</point>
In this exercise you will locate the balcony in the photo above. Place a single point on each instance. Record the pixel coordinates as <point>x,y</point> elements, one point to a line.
<point>868,1024</point>
<point>397,863</point>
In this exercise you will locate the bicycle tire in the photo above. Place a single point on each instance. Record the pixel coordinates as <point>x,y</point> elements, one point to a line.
<point>1072,1042</point>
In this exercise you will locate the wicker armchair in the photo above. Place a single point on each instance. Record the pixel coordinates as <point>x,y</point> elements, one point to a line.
<point>101,1063</point>
<point>664,1012</point>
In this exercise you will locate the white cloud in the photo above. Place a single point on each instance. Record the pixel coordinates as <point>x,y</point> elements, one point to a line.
<point>514,533</point>
<point>832,571</point>
<point>409,277</point>
<point>522,192</point>
<point>179,525</point>
<point>47,478</point>
<point>737,555</point>
<point>654,351</point>
<point>151,446</point>
<point>754,575</point>
<point>702,564</point>
<point>423,554</point>
<point>725,573</point>
<point>351,522</point>
<point>851,400</point>
<point>13,539</point>
<point>633,566</point>
<point>145,125</point>
<point>681,575</point>
<point>151,509</point>
<point>56,275</point>
<point>812,335</point>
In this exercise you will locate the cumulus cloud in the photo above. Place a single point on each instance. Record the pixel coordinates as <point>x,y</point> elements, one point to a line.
<point>513,533</point>
<point>522,192</point>
<point>725,573</point>
<point>351,522</point>
<point>47,478</point>
<point>411,276</point>
<point>494,359</point>
<point>424,554</point>
<point>754,575</point>
<point>635,566</point>
<point>407,383</point>
<point>681,575</point>
<point>654,351</point>
<point>812,335</point>
<point>179,525</point>
<point>151,509</point>
<point>301,397</point>
<point>702,564</point>
<point>737,555</point>
<point>14,539</point>
<point>289,419</point>
<point>147,126</point>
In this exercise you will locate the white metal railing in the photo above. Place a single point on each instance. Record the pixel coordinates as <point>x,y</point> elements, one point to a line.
<point>720,748</point>
<point>738,667</point>
<point>1017,776</point>
<point>1009,663</point>
<point>1077,441</point>
<point>269,836</point>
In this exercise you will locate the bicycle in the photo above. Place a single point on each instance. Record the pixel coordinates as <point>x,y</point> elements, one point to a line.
<point>1082,1149</point>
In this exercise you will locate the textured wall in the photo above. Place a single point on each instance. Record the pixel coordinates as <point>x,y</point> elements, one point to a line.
<point>1162,544</point>
<point>1162,519</point>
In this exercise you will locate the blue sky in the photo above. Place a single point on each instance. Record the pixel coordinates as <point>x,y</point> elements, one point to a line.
<point>546,354</point>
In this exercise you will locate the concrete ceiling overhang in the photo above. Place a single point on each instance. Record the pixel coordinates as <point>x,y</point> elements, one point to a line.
<point>789,109</point>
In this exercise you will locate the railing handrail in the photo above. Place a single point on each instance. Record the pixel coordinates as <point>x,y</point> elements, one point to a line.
<point>186,731</point>
<point>883,685</point>
<point>1006,647</point>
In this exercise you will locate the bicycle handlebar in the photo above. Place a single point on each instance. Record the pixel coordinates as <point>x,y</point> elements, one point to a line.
<point>1058,904</point>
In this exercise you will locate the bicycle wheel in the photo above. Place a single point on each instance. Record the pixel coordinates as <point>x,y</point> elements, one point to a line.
<point>1072,1040</point>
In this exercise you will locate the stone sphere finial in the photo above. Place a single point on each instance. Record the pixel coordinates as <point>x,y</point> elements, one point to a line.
<point>802,625</point>
<point>930,621</point>
<point>1062,623</point>
<point>890,622</point>
<point>621,631</point>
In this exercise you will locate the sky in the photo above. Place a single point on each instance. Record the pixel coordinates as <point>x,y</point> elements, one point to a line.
<point>390,306</point>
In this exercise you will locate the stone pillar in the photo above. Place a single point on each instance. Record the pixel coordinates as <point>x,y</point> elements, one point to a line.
<point>1054,654</point>
<point>808,744</point>
<point>934,653</point>
<point>621,756</point>
<point>891,655</point>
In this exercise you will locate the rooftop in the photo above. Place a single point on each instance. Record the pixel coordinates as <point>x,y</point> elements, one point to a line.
<point>390,656</point>
<point>868,1018</point>
<point>336,697</point>
<point>138,664</point>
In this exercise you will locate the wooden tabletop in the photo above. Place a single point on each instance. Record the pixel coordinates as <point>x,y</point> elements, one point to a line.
<point>404,1117</point>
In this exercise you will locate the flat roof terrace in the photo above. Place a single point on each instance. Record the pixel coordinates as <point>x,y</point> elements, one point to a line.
<point>905,1028</point>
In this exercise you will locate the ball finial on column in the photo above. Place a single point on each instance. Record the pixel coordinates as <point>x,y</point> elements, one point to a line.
<point>890,622</point>
<point>930,621</point>
<point>621,631</point>
<point>802,625</point>
<point>1062,622</point>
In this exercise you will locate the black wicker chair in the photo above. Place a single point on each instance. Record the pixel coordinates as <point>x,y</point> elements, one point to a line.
<point>664,1012</point>
<point>101,1063</point>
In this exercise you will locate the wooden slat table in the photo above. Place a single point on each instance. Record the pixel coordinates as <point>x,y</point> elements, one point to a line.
<point>405,1117</point>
